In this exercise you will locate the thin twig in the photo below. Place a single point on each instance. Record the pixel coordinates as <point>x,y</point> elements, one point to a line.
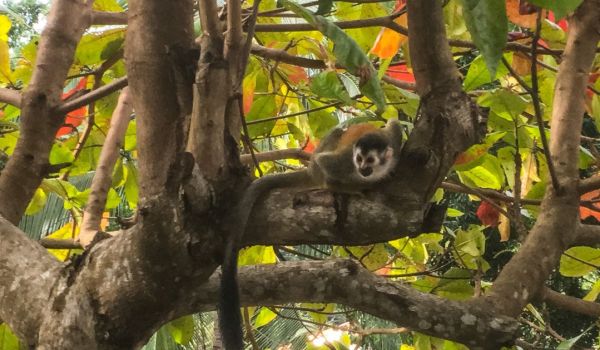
<point>334,104</point>
<point>92,96</point>
<point>536,101</point>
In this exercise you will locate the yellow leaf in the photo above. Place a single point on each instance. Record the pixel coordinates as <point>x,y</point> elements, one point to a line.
<point>504,227</point>
<point>593,293</point>
<point>4,27</point>
<point>5,72</point>
<point>528,173</point>
<point>65,232</point>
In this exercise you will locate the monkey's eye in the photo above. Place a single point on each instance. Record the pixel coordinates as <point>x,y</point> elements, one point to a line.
<point>358,158</point>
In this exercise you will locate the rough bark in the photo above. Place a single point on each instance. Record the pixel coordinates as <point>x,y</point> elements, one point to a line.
<point>554,230</point>
<point>159,65</point>
<point>29,162</point>
<point>346,282</point>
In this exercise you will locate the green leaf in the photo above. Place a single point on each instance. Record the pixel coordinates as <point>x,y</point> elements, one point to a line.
<point>579,261</point>
<point>488,25</point>
<point>182,329</point>
<point>131,185</point>
<point>91,46</point>
<point>264,317</point>
<point>453,213</point>
<point>561,8</point>
<point>8,340</point>
<point>506,104</point>
<point>37,202</point>
<point>325,7</point>
<point>478,74</point>
<point>328,85</point>
<point>262,107</point>
<point>569,343</point>
<point>347,52</point>
<point>487,174</point>
<point>321,121</point>
<point>471,241</point>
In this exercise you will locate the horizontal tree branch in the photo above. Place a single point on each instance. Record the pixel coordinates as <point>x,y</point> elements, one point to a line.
<point>94,95</point>
<point>570,303</point>
<point>290,153</point>
<point>51,243</point>
<point>10,96</point>
<point>587,235</point>
<point>386,21</point>
<point>346,282</point>
<point>108,18</point>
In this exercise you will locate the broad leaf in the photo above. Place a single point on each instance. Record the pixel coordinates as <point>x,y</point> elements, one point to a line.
<point>561,8</point>
<point>182,329</point>
<point>264,317</point>
<point>579,261</point>
<point>488,25</point>
<point>8,340</point>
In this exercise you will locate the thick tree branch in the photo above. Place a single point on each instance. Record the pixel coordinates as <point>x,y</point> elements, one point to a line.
<point>566,302</point>
<point>522,278</point>
<point>27,275</point>
<point>346,282</point>
<point>159,37</point>
<point>433,65</point>
<point>587,235</point>
<point>12,97</point>
<point>102,180</point>
<point>108,18</point>
<point>28,164</point>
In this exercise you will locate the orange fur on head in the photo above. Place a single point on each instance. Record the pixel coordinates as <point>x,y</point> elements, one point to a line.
<point>354,132</point>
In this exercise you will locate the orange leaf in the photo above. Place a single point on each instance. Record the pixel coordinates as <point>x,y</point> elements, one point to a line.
<point>587,212</point>
<point>295,74</point>
<point>473,153</point>
<point>518,12</point>
<point>388,41</point>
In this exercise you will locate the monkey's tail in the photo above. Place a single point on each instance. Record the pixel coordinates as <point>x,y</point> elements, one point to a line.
<point>230,319</point>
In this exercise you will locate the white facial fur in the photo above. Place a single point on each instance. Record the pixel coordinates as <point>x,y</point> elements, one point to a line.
<point>369,165</point>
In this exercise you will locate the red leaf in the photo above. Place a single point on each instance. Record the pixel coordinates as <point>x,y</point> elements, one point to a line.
<point>309,146</point>
<point>487,214</point>
<point>74,118</point>
<point>563,24</point>
<point>401,72</point>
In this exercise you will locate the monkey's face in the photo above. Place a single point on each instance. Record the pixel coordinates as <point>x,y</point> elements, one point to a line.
<point>372,164</point>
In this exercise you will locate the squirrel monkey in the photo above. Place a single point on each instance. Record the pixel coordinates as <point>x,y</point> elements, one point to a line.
<point>345,161</point>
